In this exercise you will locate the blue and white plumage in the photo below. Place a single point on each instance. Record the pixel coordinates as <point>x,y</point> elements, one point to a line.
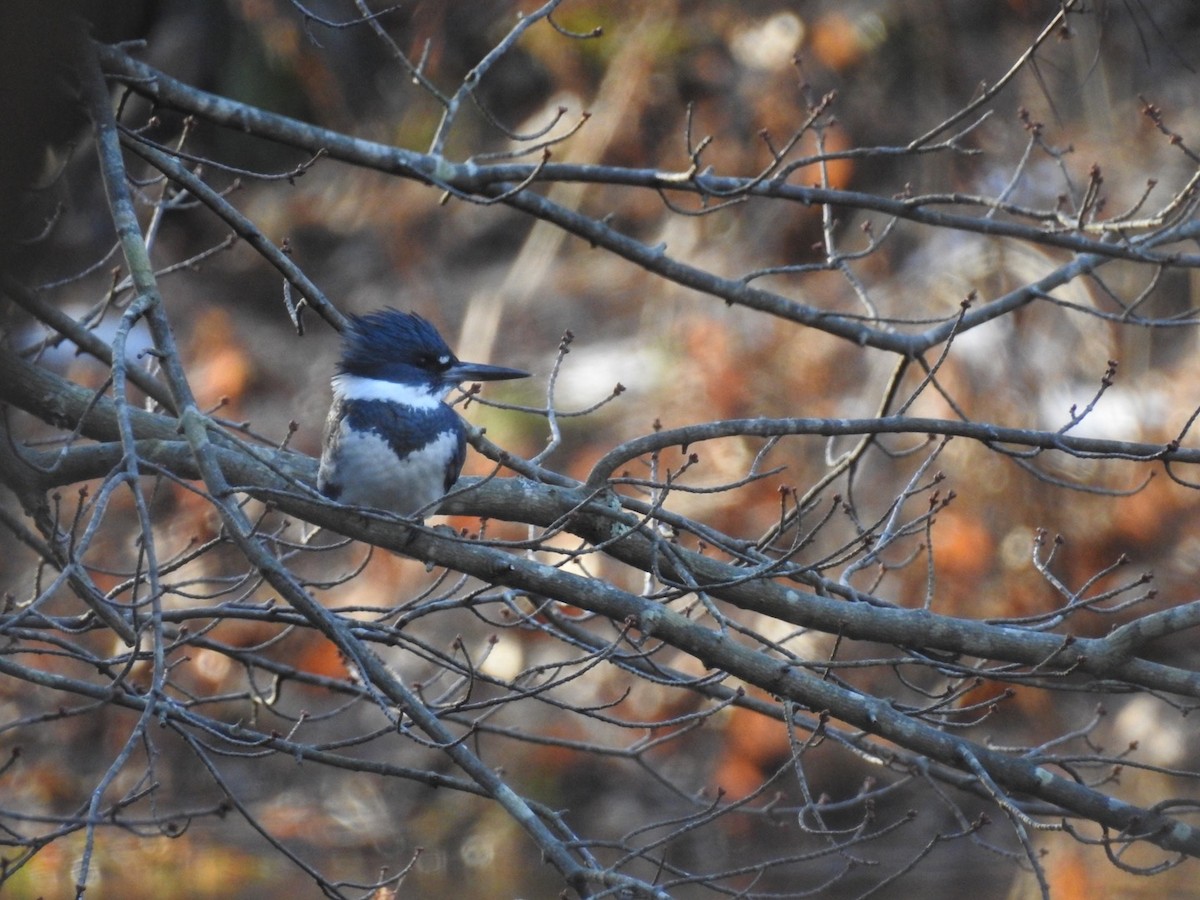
<point>390,441</point>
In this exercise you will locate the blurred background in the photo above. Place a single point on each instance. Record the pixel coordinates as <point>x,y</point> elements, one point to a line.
<point>504,289</point>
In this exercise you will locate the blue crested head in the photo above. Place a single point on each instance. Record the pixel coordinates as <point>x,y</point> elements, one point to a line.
<point>393,346</point>
<point>389,345</point>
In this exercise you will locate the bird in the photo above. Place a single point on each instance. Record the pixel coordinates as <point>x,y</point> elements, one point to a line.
<point>392,443</point>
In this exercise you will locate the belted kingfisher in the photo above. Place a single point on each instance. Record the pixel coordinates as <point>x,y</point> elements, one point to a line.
<point>391,443</point>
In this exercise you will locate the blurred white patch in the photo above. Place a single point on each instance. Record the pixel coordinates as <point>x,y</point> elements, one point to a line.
<point>591,371</point>
<point>1161,737</point>
<point>59,356</point>
<point>1016,549</point>
<point>1122,414</point>
<point>357,808</point>
<point>212,666</point>
<point>770,44</point>
<point>503,661</point>
<point>479,850</point>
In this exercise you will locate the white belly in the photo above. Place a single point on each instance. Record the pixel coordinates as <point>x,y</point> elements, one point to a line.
<point>370,474</point>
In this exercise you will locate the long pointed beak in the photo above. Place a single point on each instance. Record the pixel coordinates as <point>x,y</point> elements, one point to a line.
<point>462,371</point>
